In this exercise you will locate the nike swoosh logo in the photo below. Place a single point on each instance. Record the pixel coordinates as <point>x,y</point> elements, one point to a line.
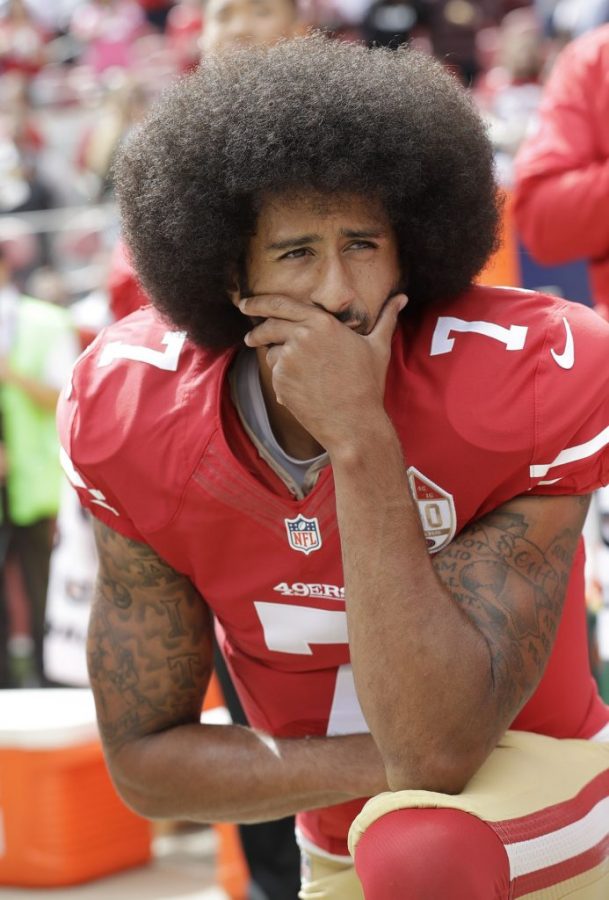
<point>566,359</point>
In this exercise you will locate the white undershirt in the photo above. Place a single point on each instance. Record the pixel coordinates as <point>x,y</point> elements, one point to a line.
<point>251,406</point>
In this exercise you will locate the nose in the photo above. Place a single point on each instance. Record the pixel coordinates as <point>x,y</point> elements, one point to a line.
<point>333,290</point>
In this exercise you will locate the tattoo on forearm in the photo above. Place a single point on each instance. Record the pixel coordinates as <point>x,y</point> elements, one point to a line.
<point>149,643</point>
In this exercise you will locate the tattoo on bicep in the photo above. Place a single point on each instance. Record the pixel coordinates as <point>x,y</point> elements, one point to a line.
<point>172,610</point>
<point>149,644</point>
<point>512,590</point>
<point>116,592</point>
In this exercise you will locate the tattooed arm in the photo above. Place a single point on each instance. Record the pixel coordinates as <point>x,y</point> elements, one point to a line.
<point>445,650</point>
<point>150,657</point>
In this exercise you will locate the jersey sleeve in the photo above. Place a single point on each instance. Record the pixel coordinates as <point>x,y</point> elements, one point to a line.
<point>571,400</point>
<point>94,479</point>
<point>129,423</point>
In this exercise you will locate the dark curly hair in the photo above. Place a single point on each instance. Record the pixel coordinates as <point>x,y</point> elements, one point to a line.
<point>309,113</point>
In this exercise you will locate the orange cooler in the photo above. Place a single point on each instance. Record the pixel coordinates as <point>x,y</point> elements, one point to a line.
<point>61,821</point>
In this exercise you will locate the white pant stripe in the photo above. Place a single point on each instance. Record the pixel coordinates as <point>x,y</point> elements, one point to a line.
<point>562,844</point>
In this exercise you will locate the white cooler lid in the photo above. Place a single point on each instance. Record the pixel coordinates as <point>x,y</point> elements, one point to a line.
<point>43,719</point>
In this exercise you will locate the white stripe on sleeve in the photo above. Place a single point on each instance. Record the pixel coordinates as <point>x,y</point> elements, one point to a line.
<point>572,454</point>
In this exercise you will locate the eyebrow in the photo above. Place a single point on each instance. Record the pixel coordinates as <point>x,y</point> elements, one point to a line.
<point>299,240</point>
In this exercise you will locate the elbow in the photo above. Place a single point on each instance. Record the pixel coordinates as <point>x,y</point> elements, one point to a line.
<point>133,788</point>
<point>138,803</point>
<point>437,773</point>
<point>139,799</point>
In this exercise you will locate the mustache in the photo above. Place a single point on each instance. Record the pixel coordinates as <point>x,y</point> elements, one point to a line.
<point>351,314</point>
<point>357,319</point>
<point>360,320</point>
<point>354,317</point>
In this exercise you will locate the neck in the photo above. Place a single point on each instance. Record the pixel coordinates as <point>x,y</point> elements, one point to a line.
<point>289,433</point>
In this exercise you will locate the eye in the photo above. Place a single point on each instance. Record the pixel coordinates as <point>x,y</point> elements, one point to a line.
<point>295,254</point>
<point>361,245</point>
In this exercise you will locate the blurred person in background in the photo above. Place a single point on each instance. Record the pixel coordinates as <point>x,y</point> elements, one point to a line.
<point>390,23</point>
<point>124,105</point>
<point>228,23</point>
<point>509,94</point>
<point>572,18</point>
<point>561,191</point>
<point>23,188</point>
<point>47,283</point>
<point>37,349</point>
<point>183,31</point>
<point>453,27</point>
<point>157,12</point>
<point>22,39</point>
<point>19,121</point>
<point>53,16</point>
<point>561,207</point>
<point>107,30</point>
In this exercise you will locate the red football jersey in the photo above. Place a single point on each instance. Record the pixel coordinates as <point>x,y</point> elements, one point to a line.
<point>498,393</point>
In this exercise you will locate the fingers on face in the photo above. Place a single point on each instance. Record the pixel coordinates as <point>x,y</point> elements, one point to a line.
<point>271,331</point>
<point>387,320</point>
<point>276,306</point>
<point>272,356</point>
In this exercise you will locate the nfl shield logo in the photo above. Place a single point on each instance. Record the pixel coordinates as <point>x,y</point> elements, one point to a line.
<point>303,534</point>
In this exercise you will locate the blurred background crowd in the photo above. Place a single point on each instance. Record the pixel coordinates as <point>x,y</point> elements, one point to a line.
<point>75,77</point>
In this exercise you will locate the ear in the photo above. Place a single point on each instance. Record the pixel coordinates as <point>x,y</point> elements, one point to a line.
<point>233,288</point>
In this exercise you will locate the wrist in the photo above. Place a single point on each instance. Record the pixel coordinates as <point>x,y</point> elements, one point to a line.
<point>373,438</point>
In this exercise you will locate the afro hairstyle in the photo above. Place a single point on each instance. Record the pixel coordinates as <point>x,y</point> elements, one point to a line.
<point>307,114</point>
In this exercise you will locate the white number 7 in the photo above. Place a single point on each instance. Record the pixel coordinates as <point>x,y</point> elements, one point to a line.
<point>292,629</point>
<point>513,337</point>
<point>161,359</point>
